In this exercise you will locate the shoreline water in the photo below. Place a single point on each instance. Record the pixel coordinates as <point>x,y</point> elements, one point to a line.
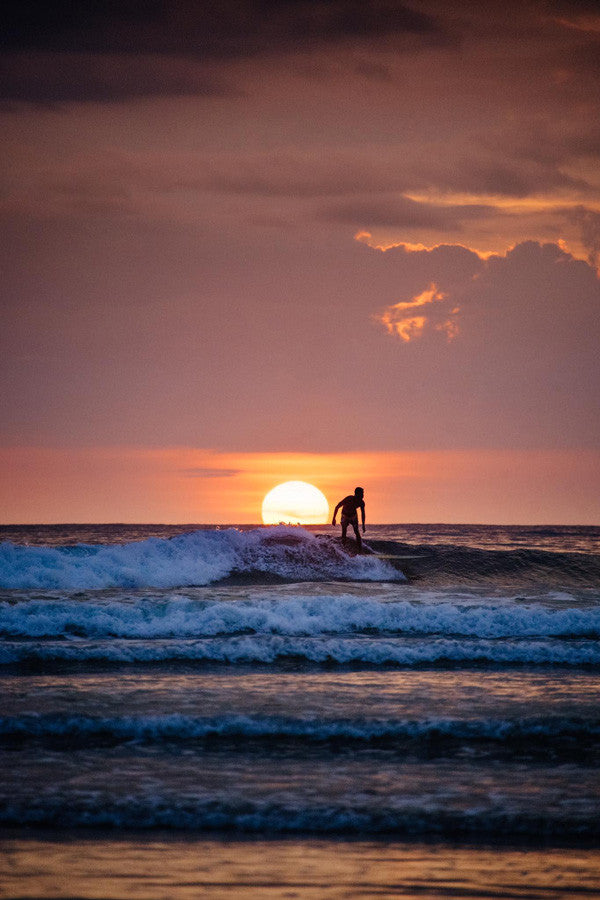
<point>93,834</point>
<point>159,866</point>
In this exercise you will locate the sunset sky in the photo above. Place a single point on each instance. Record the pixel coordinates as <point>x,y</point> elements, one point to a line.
<point>340,241</point>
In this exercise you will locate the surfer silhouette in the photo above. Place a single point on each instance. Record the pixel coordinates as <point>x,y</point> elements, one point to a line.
<point>350,506</point>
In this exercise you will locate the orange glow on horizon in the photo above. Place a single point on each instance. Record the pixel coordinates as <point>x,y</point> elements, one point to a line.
<point>186,484</point>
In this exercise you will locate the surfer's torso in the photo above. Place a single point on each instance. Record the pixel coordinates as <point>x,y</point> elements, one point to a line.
<point>350,506</point>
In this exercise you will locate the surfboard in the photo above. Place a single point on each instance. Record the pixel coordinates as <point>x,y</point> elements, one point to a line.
<point>398,555</point>
<point>351,548</point>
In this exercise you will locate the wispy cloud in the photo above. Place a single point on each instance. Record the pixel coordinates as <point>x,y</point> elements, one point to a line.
<point>47,77</point>
<point>202,472</point>
<point>404,212</point>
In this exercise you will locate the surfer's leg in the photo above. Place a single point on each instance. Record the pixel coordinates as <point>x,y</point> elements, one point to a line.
<point>357,533</point>
<point>344,523</point>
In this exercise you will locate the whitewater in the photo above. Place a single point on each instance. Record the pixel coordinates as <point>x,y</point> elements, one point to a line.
<point>264,684</point>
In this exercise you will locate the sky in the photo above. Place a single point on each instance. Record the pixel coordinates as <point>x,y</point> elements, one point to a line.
<point>326,240</point>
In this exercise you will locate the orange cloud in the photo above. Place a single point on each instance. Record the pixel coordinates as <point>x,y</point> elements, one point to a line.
<point>398,318</point>
<point>408,329</point>
<point>365,237</point>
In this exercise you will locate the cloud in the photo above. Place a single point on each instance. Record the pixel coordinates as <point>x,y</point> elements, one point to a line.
<point>48,77</point>
<point>223,28</point>
<point>402,212</point>
<point>524,293</point>
<point>588,221</point>
<point>582,15</point>
<point>306,172</point>
<point>481,172</point>
<point>202,472</point>
<point>408,319</point>
<point>154,47</point>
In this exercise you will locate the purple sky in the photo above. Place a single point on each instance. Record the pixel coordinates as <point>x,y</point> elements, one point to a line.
<point>301,227</point>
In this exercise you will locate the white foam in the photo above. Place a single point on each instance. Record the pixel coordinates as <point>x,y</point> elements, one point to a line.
<point>185,617</point>
<point>198,558</point>
<point>273,649</point>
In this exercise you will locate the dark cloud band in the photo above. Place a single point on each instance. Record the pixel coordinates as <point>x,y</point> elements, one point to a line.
<point>223,28</point>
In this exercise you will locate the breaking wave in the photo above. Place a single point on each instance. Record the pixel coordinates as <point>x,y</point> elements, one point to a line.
<point>198,558</point>
<point>360,651</point>
<point>185,617</point>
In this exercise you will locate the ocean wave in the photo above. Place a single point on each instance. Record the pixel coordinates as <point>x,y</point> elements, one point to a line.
<point>460,564</point>
<point>198,558</point>
<point>281,818</point>
<point>184,617</point>
<point>288,554</point>
<point>268,650</point>
<point>177,728</point>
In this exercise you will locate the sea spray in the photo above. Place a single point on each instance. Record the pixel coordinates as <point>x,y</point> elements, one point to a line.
<point>199,558</point>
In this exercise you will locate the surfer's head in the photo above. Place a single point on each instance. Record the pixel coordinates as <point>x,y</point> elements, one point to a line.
<point>358,492</point>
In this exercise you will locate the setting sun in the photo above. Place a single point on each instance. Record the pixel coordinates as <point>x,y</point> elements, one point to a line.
<point>295,503</point>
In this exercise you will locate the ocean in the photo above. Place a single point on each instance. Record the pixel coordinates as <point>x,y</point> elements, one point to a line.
<point>202,711</point>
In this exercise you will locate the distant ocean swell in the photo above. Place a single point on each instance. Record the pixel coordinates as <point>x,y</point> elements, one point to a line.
<point>461,565</point>
<point>277,554</point>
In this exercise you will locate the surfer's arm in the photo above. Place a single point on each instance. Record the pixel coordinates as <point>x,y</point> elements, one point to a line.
<point>335,511</point>
<point>362,515</point>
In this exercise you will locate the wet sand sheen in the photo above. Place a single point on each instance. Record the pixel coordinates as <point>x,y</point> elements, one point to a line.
<point>157,867</point>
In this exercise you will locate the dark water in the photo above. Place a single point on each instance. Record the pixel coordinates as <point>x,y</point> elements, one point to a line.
<point>224,688</point>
